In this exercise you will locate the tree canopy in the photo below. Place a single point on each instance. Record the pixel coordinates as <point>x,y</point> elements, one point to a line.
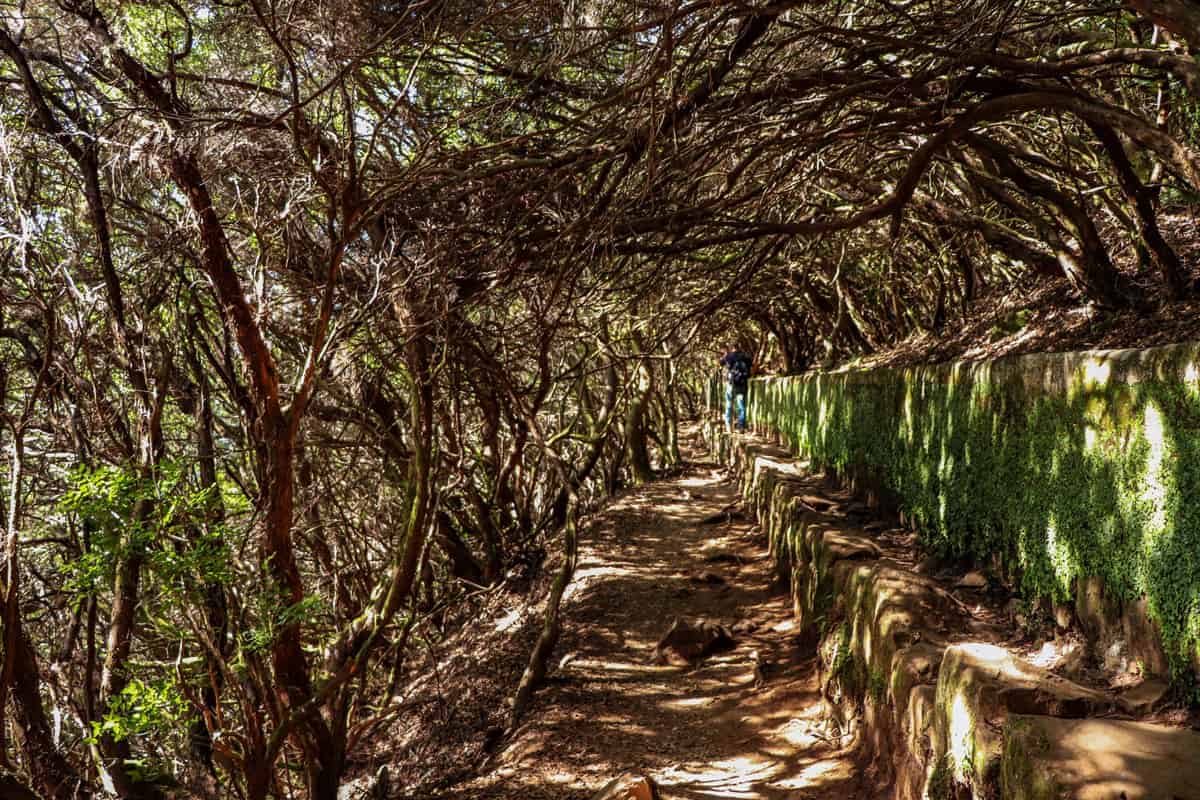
<point>316,318</point>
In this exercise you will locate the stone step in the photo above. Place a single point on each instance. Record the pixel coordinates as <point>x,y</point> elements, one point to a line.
<point>1098,759</point>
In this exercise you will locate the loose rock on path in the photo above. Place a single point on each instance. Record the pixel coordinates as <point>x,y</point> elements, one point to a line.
<point>741,723</point>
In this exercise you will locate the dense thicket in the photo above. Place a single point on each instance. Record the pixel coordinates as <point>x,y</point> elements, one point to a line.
<point>315,317</point>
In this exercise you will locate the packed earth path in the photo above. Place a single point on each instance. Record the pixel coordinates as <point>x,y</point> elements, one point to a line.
<point>744,723</point>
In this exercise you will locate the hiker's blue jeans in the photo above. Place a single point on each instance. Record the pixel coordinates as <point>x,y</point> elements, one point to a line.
<point>735,397</point>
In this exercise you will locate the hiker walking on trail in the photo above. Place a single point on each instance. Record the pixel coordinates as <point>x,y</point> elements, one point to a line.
<point>737,380</point>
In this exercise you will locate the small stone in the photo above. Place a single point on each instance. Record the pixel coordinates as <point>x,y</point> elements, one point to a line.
<point>764,669</point>
<point>1115,657</point>
<point>817,503</point>
<point>691,640</point>
<point>629,787</point>
<point>927,566</point>
<point>1071,657</point>
<point>1147,697</point>
<point>1062,616</point>
<point>1015,610</point>
<point>972,580</point>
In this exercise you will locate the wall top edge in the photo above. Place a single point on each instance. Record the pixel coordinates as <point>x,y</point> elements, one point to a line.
<point>1180,361</point>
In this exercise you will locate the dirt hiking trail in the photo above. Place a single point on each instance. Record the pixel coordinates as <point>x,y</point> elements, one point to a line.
<point>716,729</point>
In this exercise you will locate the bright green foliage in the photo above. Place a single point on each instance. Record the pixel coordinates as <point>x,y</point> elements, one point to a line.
<point>1063,465</point>
<point>1011,324</point>
<point>142,709</point>
<point>171,512</point>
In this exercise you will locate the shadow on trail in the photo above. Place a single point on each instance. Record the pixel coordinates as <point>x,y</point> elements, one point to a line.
<point>708,731</point>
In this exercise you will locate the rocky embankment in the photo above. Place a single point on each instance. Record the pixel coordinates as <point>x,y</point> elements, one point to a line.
<point>925,674</point>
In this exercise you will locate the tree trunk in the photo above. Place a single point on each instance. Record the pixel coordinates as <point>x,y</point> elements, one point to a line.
<point>970,282</point>
<point>1181,17</point>
<point>197,401</point>
<point>671,413</point>
<point>462,562</point>
<point>1090,270</point>
<point>113,677</point>
<point>52,775</point>
<point>535,671</point>
<point>635,424</point>
<point>1142,199</point>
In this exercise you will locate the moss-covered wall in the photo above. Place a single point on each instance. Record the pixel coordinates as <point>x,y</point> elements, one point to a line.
<point>1065,465</point>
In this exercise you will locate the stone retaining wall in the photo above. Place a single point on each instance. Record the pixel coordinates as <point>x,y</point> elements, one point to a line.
<point>938,707</point>
<point>1074,476</point>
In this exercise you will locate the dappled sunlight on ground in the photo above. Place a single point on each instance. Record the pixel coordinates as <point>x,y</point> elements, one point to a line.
<point>714,730</point>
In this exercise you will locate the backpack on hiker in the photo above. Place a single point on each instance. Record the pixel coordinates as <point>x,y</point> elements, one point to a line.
<point>738,370</point>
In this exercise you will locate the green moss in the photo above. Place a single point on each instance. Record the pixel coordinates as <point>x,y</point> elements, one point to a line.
<point>845,672</point>
<point>900,685</point>
<point>1062,465</point>
<point>816,611</point>
<point>1020,777</point>
<point>877,685</point>
<point>941,781</point>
